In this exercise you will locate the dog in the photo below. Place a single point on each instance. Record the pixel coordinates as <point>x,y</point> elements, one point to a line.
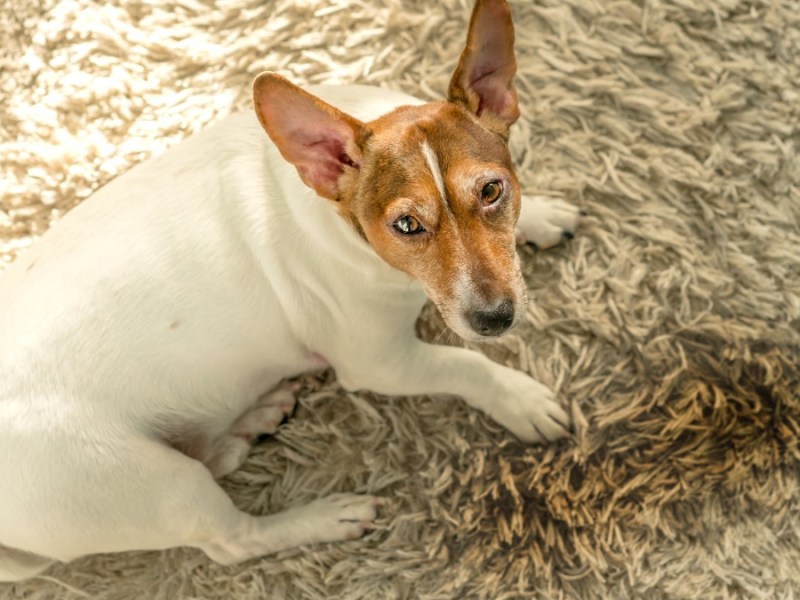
<point>141,334</point>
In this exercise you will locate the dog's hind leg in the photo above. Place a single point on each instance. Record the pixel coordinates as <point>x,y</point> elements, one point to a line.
<point>227,535</point>
<point>145,495</point>
<point>231,450</point>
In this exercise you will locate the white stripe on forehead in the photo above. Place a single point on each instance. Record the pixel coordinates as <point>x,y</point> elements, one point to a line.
<point>433,165</point>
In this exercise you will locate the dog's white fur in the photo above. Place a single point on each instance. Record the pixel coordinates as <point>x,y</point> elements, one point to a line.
<point>164,306</point>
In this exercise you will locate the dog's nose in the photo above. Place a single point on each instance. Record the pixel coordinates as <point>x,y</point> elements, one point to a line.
<point>493,321</point>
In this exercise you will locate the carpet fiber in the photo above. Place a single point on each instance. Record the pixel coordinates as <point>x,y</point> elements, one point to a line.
<point>670,325</point>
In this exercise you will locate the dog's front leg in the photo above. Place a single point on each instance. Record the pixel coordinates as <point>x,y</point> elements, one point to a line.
<point>521,404</point>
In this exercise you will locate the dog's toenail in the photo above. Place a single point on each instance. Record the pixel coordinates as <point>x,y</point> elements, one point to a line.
<point>262,438</point>
<point>583,213</point>
<point>569,235</point>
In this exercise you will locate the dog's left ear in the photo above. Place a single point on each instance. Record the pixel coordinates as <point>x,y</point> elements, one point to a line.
<point>484,80</point>
<point>321,141</point>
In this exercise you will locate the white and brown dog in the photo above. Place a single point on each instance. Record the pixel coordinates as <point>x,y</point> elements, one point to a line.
<point>140,333</point>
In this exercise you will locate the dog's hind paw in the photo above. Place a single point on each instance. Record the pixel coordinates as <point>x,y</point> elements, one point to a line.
<point>257,423</point>
<point>546,221</point>
<point>335,518</point>
<point>340,517</point>
<point>266,416</point>
<point>229,454</point>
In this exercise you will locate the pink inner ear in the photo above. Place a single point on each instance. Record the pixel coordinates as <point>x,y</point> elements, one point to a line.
<point>486,71</point>
<point>328,144</point>
<point>322,158</point>
<point>492,92</point>
<point>319,140</point>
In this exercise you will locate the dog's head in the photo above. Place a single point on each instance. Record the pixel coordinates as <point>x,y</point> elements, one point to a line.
<point>430,187</point>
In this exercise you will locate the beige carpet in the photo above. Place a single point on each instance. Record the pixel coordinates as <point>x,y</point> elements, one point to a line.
<point>671,323</point>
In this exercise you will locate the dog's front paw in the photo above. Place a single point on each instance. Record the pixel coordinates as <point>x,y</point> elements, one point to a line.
<point>546,221</point>
<point>529,410</point>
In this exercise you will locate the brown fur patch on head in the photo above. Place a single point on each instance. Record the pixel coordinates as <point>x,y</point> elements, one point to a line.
<point>466,256</point>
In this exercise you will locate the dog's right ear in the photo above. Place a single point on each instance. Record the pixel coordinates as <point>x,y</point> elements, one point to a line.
<point>321,141</point>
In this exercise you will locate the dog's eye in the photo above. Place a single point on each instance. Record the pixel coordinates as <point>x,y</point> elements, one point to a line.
<point>408,225</point>
<point>491,192</point>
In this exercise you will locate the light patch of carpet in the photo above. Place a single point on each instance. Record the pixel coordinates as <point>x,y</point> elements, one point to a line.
<point>671,324</point>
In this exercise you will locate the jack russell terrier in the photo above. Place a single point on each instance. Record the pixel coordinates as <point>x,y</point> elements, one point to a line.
<point>142,332</point>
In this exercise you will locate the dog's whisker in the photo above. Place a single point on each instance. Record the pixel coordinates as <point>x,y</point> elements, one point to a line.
<point>444,332</point>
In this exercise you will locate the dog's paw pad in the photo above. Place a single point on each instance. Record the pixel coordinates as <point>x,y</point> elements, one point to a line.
<point>283,397</point>
<point>269,413</point>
